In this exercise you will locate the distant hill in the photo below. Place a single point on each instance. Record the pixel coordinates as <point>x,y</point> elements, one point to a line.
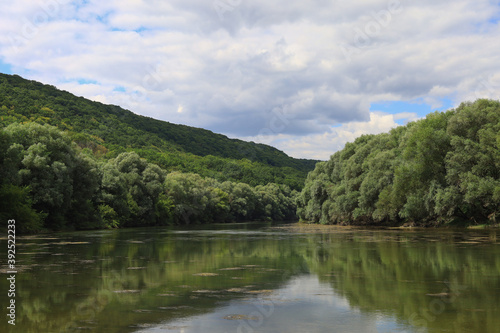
<point>110,129</point>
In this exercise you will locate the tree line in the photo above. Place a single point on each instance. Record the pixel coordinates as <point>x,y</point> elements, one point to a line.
<point>96,170</point>
<point>49,181</point>
<point>444,169</point>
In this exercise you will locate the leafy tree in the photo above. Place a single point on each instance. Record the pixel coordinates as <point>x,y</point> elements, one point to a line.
<point>194,200</point>
<point>473,163</point>
<point>441,169</point>
<point>16,204</point>
<point>242,200</point>
<point>45,159</point>
<point>144,184</point>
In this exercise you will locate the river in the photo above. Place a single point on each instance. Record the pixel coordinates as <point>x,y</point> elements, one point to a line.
<point>255,277</point>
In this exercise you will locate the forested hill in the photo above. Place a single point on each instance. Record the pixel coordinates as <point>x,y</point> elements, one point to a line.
<point>69,163</point>
<point>441,170</point>
<point>112,129</point>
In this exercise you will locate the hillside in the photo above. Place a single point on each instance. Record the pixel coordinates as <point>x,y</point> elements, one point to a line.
<point>441,170</point>
<point>110,130</point>
<point>69,163</point>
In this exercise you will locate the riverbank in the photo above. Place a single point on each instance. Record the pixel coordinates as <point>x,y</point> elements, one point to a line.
<point>304,227</point>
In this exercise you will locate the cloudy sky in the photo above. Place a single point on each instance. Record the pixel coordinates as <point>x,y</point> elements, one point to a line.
<point>304,76</point>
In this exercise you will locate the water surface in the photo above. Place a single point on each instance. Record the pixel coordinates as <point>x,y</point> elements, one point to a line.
<point>257,278</point>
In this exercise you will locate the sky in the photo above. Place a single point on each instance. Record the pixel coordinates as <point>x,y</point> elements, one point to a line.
<point>303,76</point>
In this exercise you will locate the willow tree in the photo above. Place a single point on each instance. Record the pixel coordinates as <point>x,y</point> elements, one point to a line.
<point>62,183</point>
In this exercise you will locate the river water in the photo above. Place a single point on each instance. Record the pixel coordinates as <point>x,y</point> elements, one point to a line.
<point>256,278</point>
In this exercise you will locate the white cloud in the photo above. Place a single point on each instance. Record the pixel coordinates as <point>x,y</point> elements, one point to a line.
<point>231,69</point>
<point>321,146</point>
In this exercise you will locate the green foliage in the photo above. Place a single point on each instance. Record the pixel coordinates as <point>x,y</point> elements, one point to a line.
<point>108,130</point>
<point>49,182</point>
<point>109,216</point>
<point>70,163</point>
<point>198,200</point>
<point>143,182</point>
<point>16,204</point>
<point>62,182</point>
<point>441,169</point>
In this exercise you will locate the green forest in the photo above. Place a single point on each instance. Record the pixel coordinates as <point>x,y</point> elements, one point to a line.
<point>441,170</point>
<point>69,163</point>
<point>48,182</point>
<point>109,130</point>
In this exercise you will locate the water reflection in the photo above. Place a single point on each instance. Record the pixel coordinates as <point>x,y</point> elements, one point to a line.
<point>304,304</point>
<point>258,280</point>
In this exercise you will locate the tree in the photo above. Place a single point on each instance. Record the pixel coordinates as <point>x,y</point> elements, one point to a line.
<point>45,159</point>
<point>144,184</point>
<point>441,169</point>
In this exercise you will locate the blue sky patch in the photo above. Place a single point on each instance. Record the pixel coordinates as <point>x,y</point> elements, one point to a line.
<point>85,81</point>
<point>138,30</point>
<point>418,107</point>
<point>5,68</point>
